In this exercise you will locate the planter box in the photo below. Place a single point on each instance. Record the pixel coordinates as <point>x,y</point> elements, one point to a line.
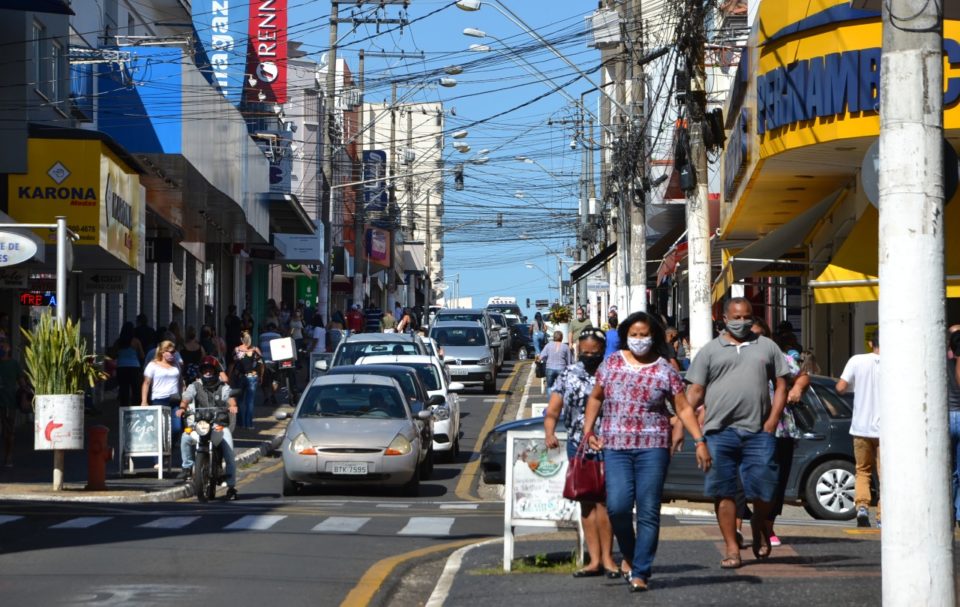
<point>58,422</point>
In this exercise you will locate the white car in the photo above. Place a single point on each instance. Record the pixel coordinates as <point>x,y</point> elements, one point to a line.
<point>435,378</point>
<point>432,348</point>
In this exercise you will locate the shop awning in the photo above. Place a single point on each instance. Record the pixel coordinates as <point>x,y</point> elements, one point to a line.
<point>56,7</point>
<point>581,272</point>
<point>852,274</point>
<point>412,257</point>
<point>772,247</point>
<point>287,216</point>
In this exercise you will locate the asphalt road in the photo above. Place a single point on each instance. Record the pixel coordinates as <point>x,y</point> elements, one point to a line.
<point>319,547</point>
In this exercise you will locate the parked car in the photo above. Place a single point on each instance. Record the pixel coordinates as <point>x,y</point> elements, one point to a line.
<point>353,429</point>
<point>520,341</point>
<point>443,395</point>
<point>821,479</point>
<point>475,315</point>
<point>369,344</point>
<point>503,329</point>
<point>467,353</point>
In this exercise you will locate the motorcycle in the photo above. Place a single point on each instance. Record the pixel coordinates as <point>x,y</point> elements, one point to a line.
<point>284,376</point>
<point>208,473</point>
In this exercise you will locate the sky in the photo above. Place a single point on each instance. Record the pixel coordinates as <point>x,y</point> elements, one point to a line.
<point>505,111</point>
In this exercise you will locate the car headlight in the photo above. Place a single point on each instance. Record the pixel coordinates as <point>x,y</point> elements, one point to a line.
<point>400,445</point>
<point>301,444</point>
<point>441,412</point>
<point>485,361</point>
<point>202,427</point>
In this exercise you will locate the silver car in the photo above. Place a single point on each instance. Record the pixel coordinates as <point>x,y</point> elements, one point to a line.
<point>353,429</point>
<point>476,315</point>
<point>467,353</point>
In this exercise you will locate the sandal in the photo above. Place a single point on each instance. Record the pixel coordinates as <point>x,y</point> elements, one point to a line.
<point>588,573</point>
<point>761,542</point>
<point>731,561</point>
<point>638,585</point>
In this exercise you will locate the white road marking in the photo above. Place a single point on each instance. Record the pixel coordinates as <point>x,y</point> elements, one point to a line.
<point>427,525</point>
<point>342,524</point>
<point>442,590</point>
<point>522,409</point>
<point>459,506</point>
<point>8,518</point>
<point>81,522</point>
<point>170,522</point>
<point>256,522</point>
<point>398,506</point>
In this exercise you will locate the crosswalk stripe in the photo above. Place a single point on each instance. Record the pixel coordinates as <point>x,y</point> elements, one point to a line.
<point>342,524</point>
<point>459,506</point>
<point>256,522</point>
<point>397,506</point>
<point>8,518</point>
<point>170,522</point>
<point>427,525</point>
<point>82,522</point>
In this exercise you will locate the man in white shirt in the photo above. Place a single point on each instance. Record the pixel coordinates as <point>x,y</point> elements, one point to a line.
<point>862,377</point>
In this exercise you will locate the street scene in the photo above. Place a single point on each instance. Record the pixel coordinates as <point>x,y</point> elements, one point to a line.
<point>452,302</point>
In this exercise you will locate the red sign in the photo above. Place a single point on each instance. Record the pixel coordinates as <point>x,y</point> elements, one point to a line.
<point>267,52</point>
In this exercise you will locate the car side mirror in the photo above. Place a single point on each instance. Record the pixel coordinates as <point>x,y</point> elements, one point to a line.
<point>321,365</point>
<point>436,401</point>
<point>456,387</point>
<point>281,415</point>
<point>496,327</point>
<point>424,415</point>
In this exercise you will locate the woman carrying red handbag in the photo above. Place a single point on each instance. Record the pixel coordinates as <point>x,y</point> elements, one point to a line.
<point>568,397</point>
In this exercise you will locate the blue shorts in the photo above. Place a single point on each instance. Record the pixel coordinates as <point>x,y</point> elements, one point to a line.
<point>751,454</point>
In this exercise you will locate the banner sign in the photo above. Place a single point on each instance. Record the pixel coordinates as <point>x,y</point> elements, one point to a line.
<point>375,192</point>
<point>220,28</point>
<point>267,52</point>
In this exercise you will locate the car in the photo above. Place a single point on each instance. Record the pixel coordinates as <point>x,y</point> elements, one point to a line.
<point>520,341</point>
<point>432,348</point>
<point>821,478</point>
<point>415,392</point>
<point>500,322</point>
<point>353,429</point>
<point>475,315</point>
<point>436,380</point>
<point>505,305</point>
<point>467,353</point>
<point>367,344</point>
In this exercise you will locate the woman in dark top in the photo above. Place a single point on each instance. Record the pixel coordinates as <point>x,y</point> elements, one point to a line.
<point>129,357</point>
<point>191,353</point>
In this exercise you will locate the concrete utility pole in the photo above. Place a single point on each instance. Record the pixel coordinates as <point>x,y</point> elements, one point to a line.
<point>622,193</point>
<point>636,201</point>
<point>359,209</point>
<point>326,204</point>
<point>698,208</point>
<point>917,548</point>
<point>428,259</point>
<point>411,288</point>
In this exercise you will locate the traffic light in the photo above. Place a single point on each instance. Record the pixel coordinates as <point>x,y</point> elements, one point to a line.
<point>528,302</point>
<point>499,220</point>
<point>458,177</point>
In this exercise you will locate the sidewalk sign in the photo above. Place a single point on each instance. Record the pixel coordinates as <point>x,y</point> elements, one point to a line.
<point>144,432</point>
<point>538,409</point>
<point>533,494</point>
<point>115,284</point>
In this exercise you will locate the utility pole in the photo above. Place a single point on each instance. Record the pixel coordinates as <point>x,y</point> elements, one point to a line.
<point>428,283</point>
<point>326,204</point>
<point>698,209</point>
<point>359,209</point>
<point>636,139</point>
<point>411,290</point>
<point>917,542</point>
<point>621,193</point>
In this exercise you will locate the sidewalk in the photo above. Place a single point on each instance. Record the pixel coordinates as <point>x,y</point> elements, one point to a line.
<point>815,565</point>
<point>31,477</point>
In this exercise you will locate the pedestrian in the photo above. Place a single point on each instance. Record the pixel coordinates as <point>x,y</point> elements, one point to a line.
<point>191,352</point>
<point>577,325</point>
<point>297,329</point>
<point>861,375</point>
<point>635,391</point>
<point>613,336</point>
<point>246,321</point>
<point>538,332</point>
<point>406,322</point>
<point>268,378</point>
<point>568,400</point>
<point>232,326</point>
<point>318,337</point>
<point>730,375</point>
<point>953,407</point>
<point>174,328</point>
<point>355,320</point>
<point>129,356</point>
<point>388,324</point>
<point>248,370</point>
<point>145,334</point>
<point>162,383</point>
<point>556,356</point>
<point>13,385</point>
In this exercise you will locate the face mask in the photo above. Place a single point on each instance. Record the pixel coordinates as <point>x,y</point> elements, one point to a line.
<point>591,362</point>
<point>740,329</point>
<point>168,356</point>
<point>210,381</point>
<point>639,345</point>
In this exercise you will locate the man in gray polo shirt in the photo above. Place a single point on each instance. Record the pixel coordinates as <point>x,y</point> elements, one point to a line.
<point>730,377</point>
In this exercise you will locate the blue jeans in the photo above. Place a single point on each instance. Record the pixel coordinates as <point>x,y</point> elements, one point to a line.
<point>749,453</point>
<point>551,376</point>
<point>249,397</point>
<point>176,424</point>
<point>635,478</point>
<point>189,441</point>
<point>538,338</point>
<point>955,454</point>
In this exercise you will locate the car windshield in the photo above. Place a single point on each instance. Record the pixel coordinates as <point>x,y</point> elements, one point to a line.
<point>353,400</point>
<point>428,375</point>
<point>349,353</point>
<point>461,316</point>
<point>459,336</point>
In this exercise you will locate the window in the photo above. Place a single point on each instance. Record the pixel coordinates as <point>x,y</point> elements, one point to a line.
<point>39,35</point>
<point>56,60</point>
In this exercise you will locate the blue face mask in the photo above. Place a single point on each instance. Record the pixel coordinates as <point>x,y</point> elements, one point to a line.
<point>639,346</point>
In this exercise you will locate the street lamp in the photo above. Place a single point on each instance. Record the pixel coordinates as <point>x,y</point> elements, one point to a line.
<point>532,266</point>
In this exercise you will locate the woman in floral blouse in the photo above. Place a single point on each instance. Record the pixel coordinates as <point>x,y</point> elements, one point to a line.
<point>568,398</point>
<point>637,389</point>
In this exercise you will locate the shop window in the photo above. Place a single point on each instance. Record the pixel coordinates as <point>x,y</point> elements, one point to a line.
<point>39,36</point>
<point>56,71</point>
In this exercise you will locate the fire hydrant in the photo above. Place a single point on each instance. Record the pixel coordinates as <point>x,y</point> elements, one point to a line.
<point>98,454</point>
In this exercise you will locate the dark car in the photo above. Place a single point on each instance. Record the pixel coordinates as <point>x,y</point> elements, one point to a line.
<point>520,341</point>
<point>821,479</point>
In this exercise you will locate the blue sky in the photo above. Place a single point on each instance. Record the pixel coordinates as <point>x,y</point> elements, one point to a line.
<point>538,201</point>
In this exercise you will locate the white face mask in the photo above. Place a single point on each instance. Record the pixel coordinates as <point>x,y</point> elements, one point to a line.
<point>639,346</point>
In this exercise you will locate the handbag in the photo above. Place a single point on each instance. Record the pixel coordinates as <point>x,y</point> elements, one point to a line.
<point>585,480</point>
<point>540,368</point>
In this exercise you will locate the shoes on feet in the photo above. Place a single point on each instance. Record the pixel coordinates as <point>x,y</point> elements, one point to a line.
<point>863,517</point>
<point>231,493</point>
<point>774,541</point>
<point>185,474</point>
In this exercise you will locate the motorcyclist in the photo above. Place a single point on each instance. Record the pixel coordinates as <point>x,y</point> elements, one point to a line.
<point>209,390</point>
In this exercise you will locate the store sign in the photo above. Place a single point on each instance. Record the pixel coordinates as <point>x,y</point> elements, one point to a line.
<point>267,51</point>
<point>830,86</point>
<point>38,299</point>
<point>375,174</point>
<point>378,245</point>
<point>13,278</point>
<point>735,156</point>
<point>104,283</point>
<point>220,28</point>
<point>84,181</point>
<point>15,248</point>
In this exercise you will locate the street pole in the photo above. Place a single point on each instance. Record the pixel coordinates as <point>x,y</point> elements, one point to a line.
<point>427,284</point>
<point>359,204</point>
<point>917,542</point>
<point>326,204</point>
<point>62,321</point>
<point>698,209</point>
<point>638,219</point>
<point>411,288</point>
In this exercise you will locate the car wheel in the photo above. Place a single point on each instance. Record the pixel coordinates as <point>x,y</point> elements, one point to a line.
<point>829,490</point>
<point>490,387</point>
<point>289,487</point>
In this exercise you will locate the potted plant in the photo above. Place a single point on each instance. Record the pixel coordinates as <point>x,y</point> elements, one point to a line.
<point>59,368</point>
<point>560,318</point>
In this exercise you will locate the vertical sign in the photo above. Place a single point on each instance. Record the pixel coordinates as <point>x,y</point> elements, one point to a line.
<point>375,174</point>
<point>267,52</point>
<point>220,27</point>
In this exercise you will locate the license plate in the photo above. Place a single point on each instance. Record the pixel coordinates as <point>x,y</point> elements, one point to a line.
<point>457,371</point>
<point>350,468</point>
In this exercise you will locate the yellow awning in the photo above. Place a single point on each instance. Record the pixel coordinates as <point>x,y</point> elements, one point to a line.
<point>852,275</point>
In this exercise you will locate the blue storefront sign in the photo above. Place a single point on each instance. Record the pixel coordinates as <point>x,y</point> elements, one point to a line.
<point>221,32</point>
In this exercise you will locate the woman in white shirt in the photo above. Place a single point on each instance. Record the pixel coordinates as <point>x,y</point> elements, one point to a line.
<point>319,335</point>
<point>162,383</point>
